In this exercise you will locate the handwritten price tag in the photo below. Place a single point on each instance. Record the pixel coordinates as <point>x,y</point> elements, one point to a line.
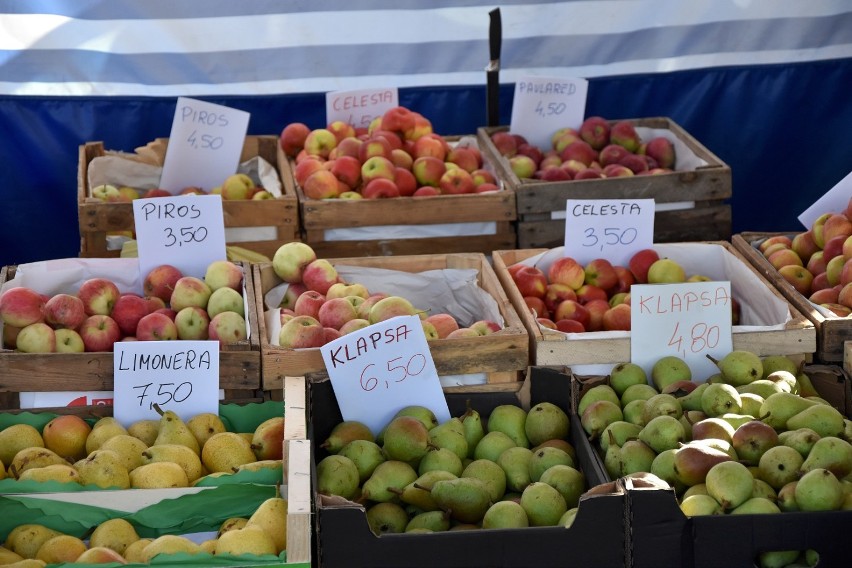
<point>182,376</point>
<point>613,229</point>
<point>360,107</point>
<point>689,320</point>
<point>205,144</point>
<point>542,105</point>
<point>186,231</point>
<point>380,369</point>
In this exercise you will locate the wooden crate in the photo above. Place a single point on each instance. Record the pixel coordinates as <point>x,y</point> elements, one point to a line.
<point>97,218</point>
<point>321,215</point>
<point>501,356</point>
<point>831,331</point>
<point>550,347</point>
<point>239,363</point>
<point>704,215</point>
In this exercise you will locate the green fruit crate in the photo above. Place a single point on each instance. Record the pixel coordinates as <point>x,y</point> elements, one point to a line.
<point>832,331</point>
<point>790,335</point>
<point>263,225</point>
<point>690,202</point>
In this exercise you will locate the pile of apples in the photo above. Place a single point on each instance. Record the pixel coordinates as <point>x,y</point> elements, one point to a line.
<point>319,306</point>
<point>398,155</point>
<point>235,187</point>
<point>816,262</point>
<point>595,150</point>
<point>573,298</point>
<point>174,306</point>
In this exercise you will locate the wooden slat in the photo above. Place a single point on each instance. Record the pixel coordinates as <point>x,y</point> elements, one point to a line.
<point>298,474</point>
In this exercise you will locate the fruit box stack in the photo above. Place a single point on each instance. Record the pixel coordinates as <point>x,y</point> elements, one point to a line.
<point>770,324</point>
<point>501,356</point>
<point>239,362</point>
<point>690,200</point>
<point>596,538</point>
<point>260,226</point>
<point>832,330</point>
<point>472,222</point>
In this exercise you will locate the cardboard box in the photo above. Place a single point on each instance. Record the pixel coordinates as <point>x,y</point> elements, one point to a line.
<point>596,538</point>
<point>832,331</point>
<point>239,362</point>
<point>690,201</point>
<point>258,225</point>
<point>479,222</point>
<point>781,330</point>
<point>500,356</point>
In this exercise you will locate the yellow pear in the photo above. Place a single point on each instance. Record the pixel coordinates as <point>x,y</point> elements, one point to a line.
<point>103,468</point>
<point>158,475</point>
<point>209,545</point>
<point>62,548</point>
<point>271,516</point>
<point>66,435</point>
<point>169,544</point>
<point>231,524</point>
<point>176,453</point>
<point>226,451</point>
<point>212,476</point>
<point>133,552</point>
<point>268,439</point>
<point>104,429</point>
<point>30,458</point>
<point>245,541</point>
<point>116,534</point>
<point>205,425</point>
<point>100,555</point>
<point>259,465</point>
<point>63,473</point>
<point>7,556</point>
<point>25,540</point>
<point>17,437</point>
<point>145,430</point>
<point>248,436</point>
<point>173,430</point>
<point>26,563</point>
<point>129,449</point>
<point>2,471</point>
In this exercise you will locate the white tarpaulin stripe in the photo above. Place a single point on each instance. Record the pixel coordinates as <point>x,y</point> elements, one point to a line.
<point>102,47</point>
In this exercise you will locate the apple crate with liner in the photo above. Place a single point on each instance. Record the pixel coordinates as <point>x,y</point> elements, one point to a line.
<point>460,284</point>
<point>769,324</point>
<point>92,371</point>
<point>254,228</point>
<point>833,330</point>
<point>690,200</point>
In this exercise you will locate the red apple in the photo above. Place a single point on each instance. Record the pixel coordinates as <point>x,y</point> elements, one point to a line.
<point>634,162</point>
<point>64,311</point>
<point>532,151</point>
<point>322,184</point>
<point>319,275</point>
<point>816,263</point>
<point>99,333</point>
<point>624,134</point>
<point>320,142</point>
<point>481,176</point>
<point>128,310</point>
<point>292,138</point>
<point>588,292</point>
<point>625,279</point>
<point>566,270</point>
<point>556,293</point>
<point>804,245</point>
<point>773,240</point>
<point>825,296</point>
<point>531,281</point>
<point>505,143</point>
<point>398,119</point>
<point>596,307</point>
<point>309,303</point>
<point>348,170</point>
<point>595,132</point>
<point>334,312</point>
<point>798,277</point>
<point>406,183</point>
<point>571,309</point>
<point>444,324</point>
<point>401,158</point>
<point>837,225</point>
<point>548,323</point>
<point>600,273</point>
<point>833,247</point>
<point>156,327</point>
<point>467,158</point>
<point>190,291</point>
<point>98,296</point>
<point>570,326</point>
<point>426,191</point>
<point>305,169</point>
<point>580,151</point>
<point>20,307</point>
<point>617,170</point>
<point>428,170</point>
<point>456,181</point>
<point>160,281</point>
<point>380,188</point>
<point>640,262</point>
<point>617,318</point>
<point>430,145</point>
<point>662,151</point>
<point>341,130</point>
<point>589,173</point>
<point>227,327</point>
<point>536,306</point>
<point>486,188</point>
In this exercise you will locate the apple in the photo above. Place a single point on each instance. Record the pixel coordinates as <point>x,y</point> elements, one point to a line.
<point>466,157</point>
<point>633,162</point>
<point>308,303</point>
<point>68,341</point>
<point>191,323</point>
<point>350,147</point>
<point>580,151</point>
<point>353,325</point>
<point>375,147</point>
<point>665,271</point>
<point>798,277</point>
<point>536,306</point>
<point>98,296</point>
<point>589,173</point>
<point>481,176</point>
<point>774,247</point>
<point>426,191</point>
<point>305,169</point>
<point>301,332</point>
<point>335,312</point>
<point>341,130</point>
<point>566,130</point>
<point>554,174</point>
<point>428,170</point>
<point>406,183</point>
<point>547,322</point>
<point>612,154</point>
<point>237,186</point>
<point>505,143</point>
<point>570,326</point>
<point>556,292</point>
<point>531,281</point>
<point>320,142</point>
<point>835,226</point>
<point>380,188</point>
<point>485,327</point>
<point>21,306</point>
<point>444,323</point>
<point>532,151</point>
<point>617,318</point>
<point>99,332</point>
<point>833,270</point>
<point>227,327</point>
<point>389,307</point>
<point>624,134</point>
<point>292,138</point>
<point>36,337</point>
<point>430,145</point>
<point>662,151</point>
<point>291,259</point>
<point>456,181</point>
<point>320,275</point>
<point>157,327</point>
<point>322,184</point>
<point>572,309</point>
<point>64,311</point>
<point>168,312</point>
<point>784,257</point>
<point>422,126</point>
<point>816,263</point>
<point>817,228</point>
<point>596,308</point>
<point>625,279</point>
<point>617,170</point>
<point>398,119</point>
<point>156,192</point>
<point>261,194</point>
<point>775,239</point>
<point>600,272</point>
<point>364,307</point>
<point>825,296</point>
<point>523,166</point>
<point>190,291</point>
<point>160,281</point>
<point>819,282</point>
<point>838,309</point>
<point>224,273</point>
<point>619,298</point>
<point>225,300</point>
<point>128,310</point>
<point>834,247</point>
<point>588,292</point>
<point>566,270</point>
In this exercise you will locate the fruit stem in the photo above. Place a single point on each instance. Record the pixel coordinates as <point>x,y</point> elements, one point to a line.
<point>158,409</point>
<point>715,361</point>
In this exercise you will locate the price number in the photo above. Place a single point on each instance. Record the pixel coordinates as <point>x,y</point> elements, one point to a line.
<point>397,371</point>
<point>609,236</point>
<point>550,109</point>
<point>204,141</point>
<point>165,393</point>
<point>185,235</point>
<point>699,338</point>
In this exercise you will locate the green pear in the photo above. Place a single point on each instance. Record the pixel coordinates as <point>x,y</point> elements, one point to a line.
<point>418,493</point>
<point>433,521</point>
<point>546,421</point>
<point>387,518</point>
<point>17,437</point>
<point>337,475</point>
<point>697,489</point>
<point>772,363</point>
<point>823,419</point>
<point>668,370</point>
<point>721,398</point>
<point>492,445</point>
<point>786,497</point>
<point>612,460</point>
<point>831,453</point>
<point>713,427</point>
<point>692,400</point>
<point>779,466</point>
<point>800,439</point>
<point>60,549</point>
<point>511,420</point>
<point>543,458</point>
<point>761,387</point>
<point>777,558</point>
<point>756,506</point>
<point>145,430</point>
<point>739,367</point>
<point>32,458</point>
<point>441,459</point>
<point>515,462</point>
<point>662,405</point>
<point>247,540</point>
<point>26,539</point>
<point>636,456</point>
<point>450,435</point>
<point>173,430</point>
<point>662,433</point>
<point>543,504</point>
<point>819,490</point>
<point>596,393</point>
<point>763,489</point>
<point>804,386</point>
<point>698,505</point>
<point>344,432</point>
<point>406,439</point>
<point>598,415</point>
<point>663,467</point>
<point>473,429</point>
<point>505,515</point>
<point>568,518</point>
<point>491,474</point>
<point>736,420</point>
<point>752,440</point>
<point>466,498</point>
<point>730,483</point>
<point>637,392</point>
<point>388,480</point>
<point>267,440</point>
<point>569,481</point>
<point>751,404</point>
<point>621,431</point>
<point>634,412</point>
<point>693,460</point>
<point>625,375</point>
<point>366,456</point>
<point>786,381</point>
<point>422,413</point>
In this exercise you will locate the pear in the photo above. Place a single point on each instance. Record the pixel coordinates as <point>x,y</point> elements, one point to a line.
<point>268,439</point>
<point>388,480</point>
<point>612,460</point>
<point>730,483</point>
<point>230,524</point>
<point>133,552</point>
<point>387,518</point>
<point>668,370</point>
<point>515,462</point>
<point>543,458</point>
<point>177,453</point>
<point>634,412</point>
<point>432,521</point>
<point>625,375</point>
<point>637,392</point>
<point>492,445</point>
<point>104,429</point>
<point>418,493</point>
<point>18,437</point>
<point>100,555</point>
<point>786,499</point>
<point>569,481</point>
<point>543,504</point>
<point>700,504</point>
<point>8,557</point>
<point>721,398</point>
<point>505,515</point>
<point>129,449</point>
<point>777,558</point>
<point>406,439</point>
<point>819,490</point>
<point>255,466</point>
<point>762,489</point>
<point>511,420</point>
<point>692,400</point>
<point>34,457</point>
<point>366,456</point>
<point>473,429</point>
<point>169,544</point>
<point>693,460</point>
<point>662,405</point>
<point>663,467</point>
<point>491,474</point>
<point>713,427</point>
<point>337,475</point>
<point>60,549</point>
<point>173,430</point>
<point>751,404</point>
<point>203,426</point>
<point>567,519</point>
<point>441,459</point>
<point>823,419</point>
<point>831,453</point>
<point>804,386</point>
<point>761,387</point>
<point>116,534</point>
<point>785,380</point>
<point>450,435</point>
<point>158,475</point>
<point>105,469</point>
<point>621,431</point>
<point>145,430</point>
<point>756,506</point>
<point>697,489</point>
<point>271,516</point>
<point>25,540</point>
<point>636,456</point>
<point>66,436</point>
<point>598,415</point>
<point>421,413</point>
<point>752,439</point>
<point>596,393</point>
<point>780,407</point>
<point>662,433</point>
<point>248,540</point>
<point>225,451</point>
<point>62,473</point>
<point>772,363</point>
<point>546,421</point>
<point>465,498</point>
<point>739,367</point>
<point>779,466</point>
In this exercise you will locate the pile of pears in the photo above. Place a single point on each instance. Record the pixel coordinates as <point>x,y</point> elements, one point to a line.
<point>116,541</point>
<point>512,469</point>
<point>755,437</point>
<point>163,453</point>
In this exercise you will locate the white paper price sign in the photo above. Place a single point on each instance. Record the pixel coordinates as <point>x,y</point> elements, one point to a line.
<point>182,376</point>
<point>613,229</point>
<point>360,107</point>
<point>543,105</point>
<point>205,144</point>
<point>381,368</point>
<point>186,231</point>
<point>689,320</point>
